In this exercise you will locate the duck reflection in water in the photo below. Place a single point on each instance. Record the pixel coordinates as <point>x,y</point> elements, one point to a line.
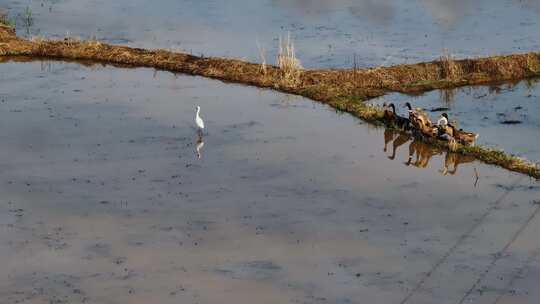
<point>453,159</point>
<point>423,152</point>
<point>397,139</point>
<point>388,137</point>
<point>420,153</point>
<point>400,140</point>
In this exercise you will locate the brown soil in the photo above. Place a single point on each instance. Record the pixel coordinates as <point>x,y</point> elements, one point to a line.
<point>341,89</point>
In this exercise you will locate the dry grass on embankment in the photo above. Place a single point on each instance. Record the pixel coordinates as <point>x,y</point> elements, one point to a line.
<point>342,89</point>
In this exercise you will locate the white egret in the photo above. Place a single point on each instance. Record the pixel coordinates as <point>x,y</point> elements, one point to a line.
<point>199,121</point>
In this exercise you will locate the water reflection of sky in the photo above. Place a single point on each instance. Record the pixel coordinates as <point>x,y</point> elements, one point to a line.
<point>288,202</point>
<point>328,33</point>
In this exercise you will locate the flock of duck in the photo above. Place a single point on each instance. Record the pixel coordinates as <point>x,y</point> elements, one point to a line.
<point>419,123</point>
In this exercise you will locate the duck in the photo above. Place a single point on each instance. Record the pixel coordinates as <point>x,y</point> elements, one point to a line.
<point>444,126</point>
<point>466,138</point>
<point>400,121</point>
<point>418,115</point>
<point>443,120</point>
<point>421,122</point>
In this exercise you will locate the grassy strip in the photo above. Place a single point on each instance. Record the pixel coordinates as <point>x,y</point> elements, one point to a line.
<point>342,89</point>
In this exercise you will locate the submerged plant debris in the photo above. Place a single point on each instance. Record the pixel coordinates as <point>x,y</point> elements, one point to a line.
<point>345,90</point>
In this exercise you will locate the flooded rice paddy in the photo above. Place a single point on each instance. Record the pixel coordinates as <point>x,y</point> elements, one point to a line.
<point>108,196</point>
<point>328,33</point>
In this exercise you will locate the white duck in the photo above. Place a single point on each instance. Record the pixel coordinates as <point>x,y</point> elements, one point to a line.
<point>443,120</point>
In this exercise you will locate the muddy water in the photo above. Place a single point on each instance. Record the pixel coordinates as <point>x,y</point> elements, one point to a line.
<point>328,33</point>
<point>105,200</point>
<point>505,116</point>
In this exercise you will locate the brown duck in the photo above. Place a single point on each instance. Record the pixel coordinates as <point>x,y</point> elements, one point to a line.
<point>420,121</point>
<point>466,138</point>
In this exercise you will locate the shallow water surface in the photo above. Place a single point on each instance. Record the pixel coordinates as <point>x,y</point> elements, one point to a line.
<point>105,199</point>
<point>328,33</point>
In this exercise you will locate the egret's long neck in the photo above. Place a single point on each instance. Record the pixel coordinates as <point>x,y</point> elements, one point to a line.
<point>198,110</point>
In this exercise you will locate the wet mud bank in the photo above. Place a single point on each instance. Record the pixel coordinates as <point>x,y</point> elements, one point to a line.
<point>342,89</point>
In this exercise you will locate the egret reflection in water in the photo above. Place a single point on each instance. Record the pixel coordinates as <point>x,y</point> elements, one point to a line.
<point>199,146</point>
